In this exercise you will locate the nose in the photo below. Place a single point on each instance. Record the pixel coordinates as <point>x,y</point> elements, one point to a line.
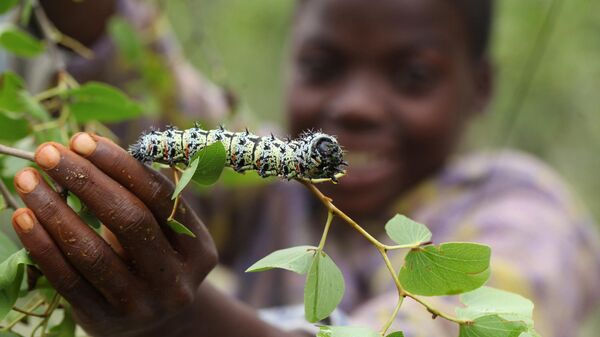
<point>358,104</point>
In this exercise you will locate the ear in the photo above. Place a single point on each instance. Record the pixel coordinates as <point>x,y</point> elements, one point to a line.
<point>484,84</point>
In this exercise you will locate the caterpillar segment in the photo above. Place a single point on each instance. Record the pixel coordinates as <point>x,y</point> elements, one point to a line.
<point>313,155</point>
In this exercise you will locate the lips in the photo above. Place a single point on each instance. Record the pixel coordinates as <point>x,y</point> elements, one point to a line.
<point>366,169</point>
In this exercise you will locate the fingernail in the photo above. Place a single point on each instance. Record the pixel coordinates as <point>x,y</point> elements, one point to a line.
<point>23,220</point>
<point>26,180</point>
<point>83,144</point>
<point>47,156</point>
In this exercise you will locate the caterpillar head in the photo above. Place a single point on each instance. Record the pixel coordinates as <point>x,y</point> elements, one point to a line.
<point>326,150</point>
<point>143,149</point>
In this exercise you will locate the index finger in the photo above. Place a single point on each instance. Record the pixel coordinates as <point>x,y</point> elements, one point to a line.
<point>153,188</point>
<point>118,209</point>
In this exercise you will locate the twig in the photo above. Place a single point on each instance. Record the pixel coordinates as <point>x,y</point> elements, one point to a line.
<point>11,151</point>
<point>382,248</point>
<point>325,231</point>
<point>21,316</point>
<point>28,313</point>
<point>176,203</point>
<point>10,201</point>
<point>48,31</point>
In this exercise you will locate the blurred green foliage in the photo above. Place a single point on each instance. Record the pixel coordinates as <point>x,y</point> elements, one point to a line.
<point>242,44</point>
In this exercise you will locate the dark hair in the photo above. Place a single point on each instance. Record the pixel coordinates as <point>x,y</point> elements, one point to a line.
<point>478,16</point>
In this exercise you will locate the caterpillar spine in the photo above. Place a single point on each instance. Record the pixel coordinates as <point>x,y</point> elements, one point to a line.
<point>313,155</point>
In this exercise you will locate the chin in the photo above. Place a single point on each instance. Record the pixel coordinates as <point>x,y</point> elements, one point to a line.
<point>363,200</point>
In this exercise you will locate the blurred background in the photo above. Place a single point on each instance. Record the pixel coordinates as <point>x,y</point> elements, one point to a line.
<point>546,53</point>
<point>547,56</point>
<point>547,60</point>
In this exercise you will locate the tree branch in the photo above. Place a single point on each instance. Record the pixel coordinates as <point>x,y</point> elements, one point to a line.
<point>10,201</point>
<point>16,152</point>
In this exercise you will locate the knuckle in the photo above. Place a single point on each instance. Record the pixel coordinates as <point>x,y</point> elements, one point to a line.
<point>133,219</point>
<point>41,250</point>
<point>47,211</point>
<point>78,178</point>
<point>69,283</point>
<point>179,297</point>
<point>94,259</point>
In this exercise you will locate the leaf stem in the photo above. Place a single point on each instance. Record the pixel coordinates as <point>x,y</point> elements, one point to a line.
<point>331,207</point>
<point>21,316</point>
<point>28,313</point>
<point>434,311</point>
<point>176,203</point>
<point>10,200</point>
<point>11,151</point>
<point>382,248</point>
<point>387,325</point>
<point>325,231</point>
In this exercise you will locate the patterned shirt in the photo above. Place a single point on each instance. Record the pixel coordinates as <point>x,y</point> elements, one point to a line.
<point>544,245</point>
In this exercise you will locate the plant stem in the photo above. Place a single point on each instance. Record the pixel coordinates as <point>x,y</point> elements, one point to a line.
<point>331,207</point>
<point>325,231</point>
<point>11,151</point>
<point>390,267</point>
<point>387,325</point>
<point>28,313</point>
<point>176,203</point>
<point>10,201</point>
<point>434,311</point>
<point>16,321</point>
<point>382,250</point>
<point>48,32</point>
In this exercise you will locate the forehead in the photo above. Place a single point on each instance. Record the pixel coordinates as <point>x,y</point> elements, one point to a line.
<point>379,24</point>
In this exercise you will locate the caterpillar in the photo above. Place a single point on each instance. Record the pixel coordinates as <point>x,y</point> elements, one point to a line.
<point>313,155</point>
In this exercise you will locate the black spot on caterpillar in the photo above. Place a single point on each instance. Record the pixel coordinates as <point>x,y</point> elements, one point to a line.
<point>314,155</point>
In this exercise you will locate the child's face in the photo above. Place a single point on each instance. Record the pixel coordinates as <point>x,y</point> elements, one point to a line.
<point>394,80</point>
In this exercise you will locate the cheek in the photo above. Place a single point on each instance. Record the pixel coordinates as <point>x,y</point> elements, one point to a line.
<point>436,119</point>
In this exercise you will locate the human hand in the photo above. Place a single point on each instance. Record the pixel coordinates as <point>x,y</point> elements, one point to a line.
<point>148,289</point>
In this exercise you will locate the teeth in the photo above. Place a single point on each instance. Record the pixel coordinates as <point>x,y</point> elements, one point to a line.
<point>361,158</point>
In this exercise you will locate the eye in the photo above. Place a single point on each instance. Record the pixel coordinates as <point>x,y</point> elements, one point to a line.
<point>319,67</point>
<point>415,78</point>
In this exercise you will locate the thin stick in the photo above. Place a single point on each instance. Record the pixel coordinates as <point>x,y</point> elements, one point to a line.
<point>28,313</point>
<point>382,250</point>
<point>10,201</point>
<point>48,32</point>
<point>176,203</point>
<point>11,151</point>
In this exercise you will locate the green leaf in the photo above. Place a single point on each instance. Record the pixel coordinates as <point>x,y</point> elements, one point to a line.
<point>7,247</point>
<point>74,202</point>
<point>296,259</point>
<point>492,326</point>
<point>126,39</point>
<point>346,331</point>
<point>11,276</point>
<point>324,288</point>
<point>487,301</point>
<point>101,102</point>
<point>66,328</point>
<point>8,334</point>
<point>179,228</point>
<point>12,129</point>
<point>396,334</point>
<point>211,161</point>
<point>6,5</point>
<point>405,231</point>
<point>205,167</point>
<point>451,268</point>
<point>10,86</point>
<point>33,107</point>
<point>19,42</point>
